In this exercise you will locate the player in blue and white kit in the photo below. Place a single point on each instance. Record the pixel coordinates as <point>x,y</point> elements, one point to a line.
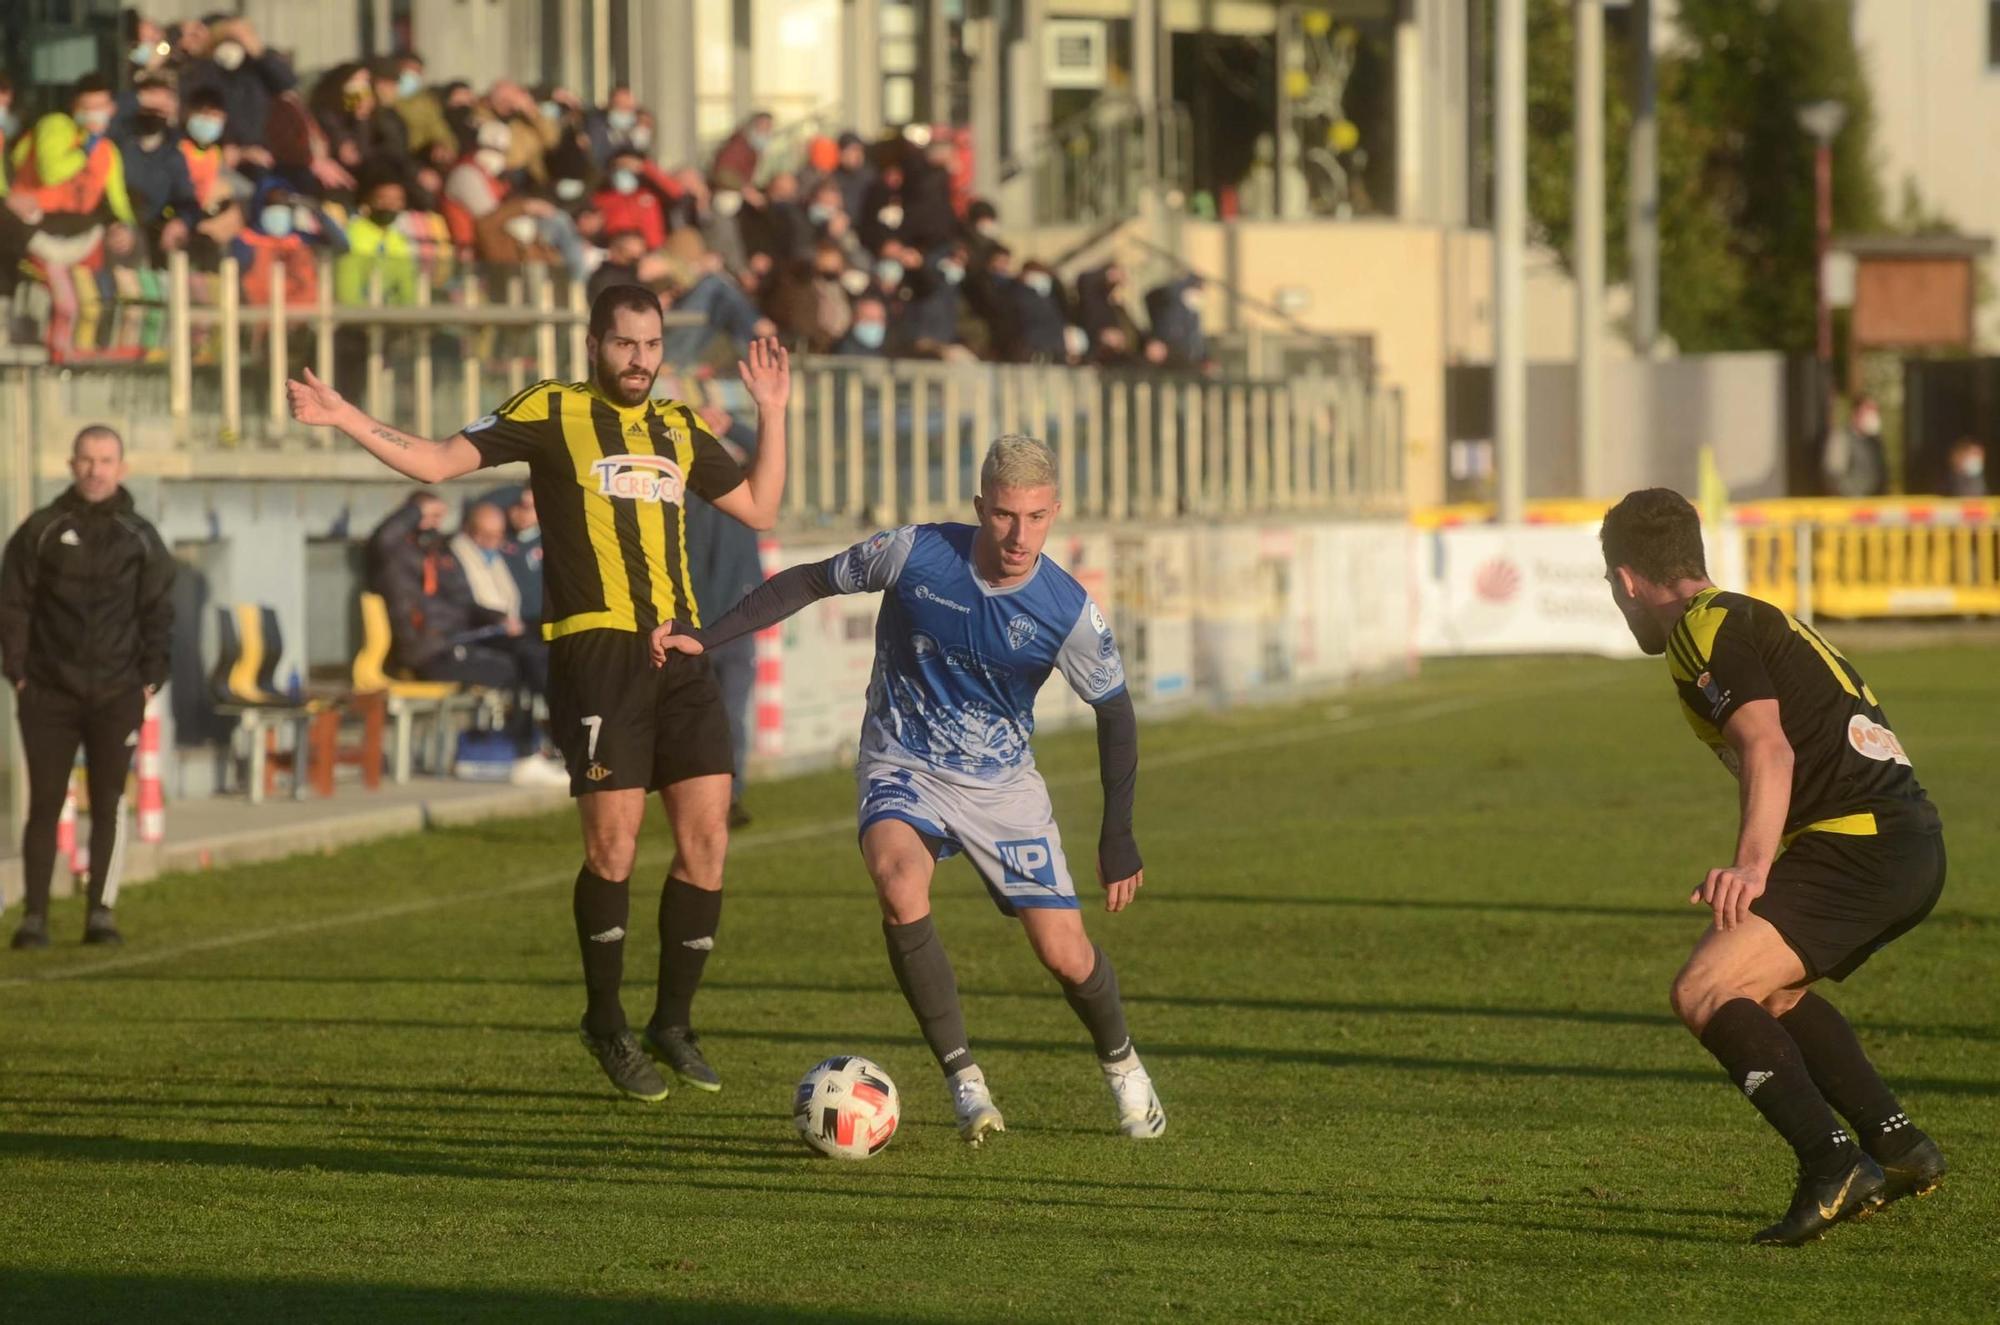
<point>974,619</point>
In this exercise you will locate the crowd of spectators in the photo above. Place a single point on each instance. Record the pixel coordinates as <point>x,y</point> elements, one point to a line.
<point>209,142</point>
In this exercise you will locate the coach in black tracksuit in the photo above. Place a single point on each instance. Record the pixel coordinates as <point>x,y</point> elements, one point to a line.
<point>86,611</point>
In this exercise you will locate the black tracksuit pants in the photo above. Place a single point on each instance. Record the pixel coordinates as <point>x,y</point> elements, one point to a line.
<point>53,724</point>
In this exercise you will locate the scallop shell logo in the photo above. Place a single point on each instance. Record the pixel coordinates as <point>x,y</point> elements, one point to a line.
<point>1497,581</point>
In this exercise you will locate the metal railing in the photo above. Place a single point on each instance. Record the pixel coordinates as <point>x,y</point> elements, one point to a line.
<point>873,440</point>
<point>1095,166</point>
<point>433,360</point>
<point>884,442</point>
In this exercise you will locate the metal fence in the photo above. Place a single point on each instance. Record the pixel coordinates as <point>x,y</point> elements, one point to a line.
<point>877,440</point>
<point>884,442</point>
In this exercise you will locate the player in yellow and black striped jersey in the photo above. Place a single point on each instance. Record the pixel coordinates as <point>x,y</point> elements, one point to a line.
<point>609,483</point>
<point>611,467</point>
<point>1838,853</point>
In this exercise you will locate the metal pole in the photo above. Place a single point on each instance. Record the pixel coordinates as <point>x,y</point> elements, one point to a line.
<point>1589,230</point>
<point>425,380</point>
<point>180,343</point>
<point>545,331</point>
<point>1642,223</point>
<point>230,292</point>
<point>1510,230</point>
<point>277,354</point>
<point>741,70</point>
<point>469,349</point>
<point>1822,240</point>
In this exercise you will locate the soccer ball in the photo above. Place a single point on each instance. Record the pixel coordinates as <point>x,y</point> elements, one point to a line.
<point>846,1107</point>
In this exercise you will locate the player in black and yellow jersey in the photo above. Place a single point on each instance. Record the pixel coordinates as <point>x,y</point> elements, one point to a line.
<point>610,466</point>
<point>1839,852</point>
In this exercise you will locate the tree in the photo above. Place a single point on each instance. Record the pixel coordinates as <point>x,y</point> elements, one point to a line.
<point>1736,168</point>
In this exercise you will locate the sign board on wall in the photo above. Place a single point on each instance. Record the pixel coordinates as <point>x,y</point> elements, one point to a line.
<point>1528,589</point>
<point>1531,589</point>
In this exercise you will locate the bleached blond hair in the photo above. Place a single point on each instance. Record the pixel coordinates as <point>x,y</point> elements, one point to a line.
<point>1017,461</point>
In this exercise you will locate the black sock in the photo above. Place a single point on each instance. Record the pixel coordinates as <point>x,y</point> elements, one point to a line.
<point>1098,1007</point>
<point>929,987</point>
<point>1848,1080</point>
<point>1764,1063</point>
<point>601,907</point>
<point>688,919</point>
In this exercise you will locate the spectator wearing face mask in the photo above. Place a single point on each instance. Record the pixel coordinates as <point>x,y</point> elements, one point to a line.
<point>228,55</point>
<point>1038,314</point>
<point>70,165</point>
<point>70,176</point>
<point>808,303</point>
<point>635,197</point>
<point>426,128</point>
<point>285,229</point>
<point>380,243</point>
<point>1113,335</point>
<point>1174,310</point>
<point>929,327</point>
<point>929,222</point>
<point>504,224</point>
<point>777,227</point>
<point>881,217</point>
<point>853,175</point>
<point>615,128</point>
<point>342,103</point>
<point>157,178</point>
<point>388,135</point>
<point>868,336</point>
<point>737,160</point>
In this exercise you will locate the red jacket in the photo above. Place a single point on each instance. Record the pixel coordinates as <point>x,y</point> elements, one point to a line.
<point>644,209</point>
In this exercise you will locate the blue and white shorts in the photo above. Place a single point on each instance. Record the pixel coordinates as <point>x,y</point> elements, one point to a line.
<point>1008,831</point>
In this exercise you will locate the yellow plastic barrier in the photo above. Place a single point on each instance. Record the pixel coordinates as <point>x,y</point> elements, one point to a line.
<point>1888,557</point>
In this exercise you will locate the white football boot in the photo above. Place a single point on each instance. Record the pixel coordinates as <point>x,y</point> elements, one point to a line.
<point>973,1103</point>
<point>1139,1113</point>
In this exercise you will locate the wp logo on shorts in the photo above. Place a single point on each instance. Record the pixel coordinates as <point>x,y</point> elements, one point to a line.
<point>1028,860</point>
<point>640,478</point>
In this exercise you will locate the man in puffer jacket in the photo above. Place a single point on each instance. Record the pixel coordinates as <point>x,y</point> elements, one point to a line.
<point>86,615</point>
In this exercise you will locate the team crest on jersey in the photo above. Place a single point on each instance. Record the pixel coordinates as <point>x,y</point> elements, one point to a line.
<point>1717,697</point>
<point>1020,631</point>
<point>922,646</point>
<point>640,478</point>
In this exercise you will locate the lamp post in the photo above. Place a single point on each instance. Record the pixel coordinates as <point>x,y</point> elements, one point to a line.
<point>1822,119</point>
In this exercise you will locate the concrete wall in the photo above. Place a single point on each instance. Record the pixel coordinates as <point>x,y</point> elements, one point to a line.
<point>1423,292</point>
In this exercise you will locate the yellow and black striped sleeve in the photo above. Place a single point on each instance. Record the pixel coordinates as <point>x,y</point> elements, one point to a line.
<point>1715,659</point>
<point>714,472</point>
<point>523,428</point>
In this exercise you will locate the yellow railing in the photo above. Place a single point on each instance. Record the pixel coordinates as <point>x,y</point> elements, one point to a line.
<point>1887,557</point>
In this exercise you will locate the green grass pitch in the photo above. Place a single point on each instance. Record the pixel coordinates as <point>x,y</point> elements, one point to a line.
<point>1400,972</point>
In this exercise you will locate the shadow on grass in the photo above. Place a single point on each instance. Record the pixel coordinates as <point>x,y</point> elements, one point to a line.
<point>1289,1055</point>
<point>78,1296</point>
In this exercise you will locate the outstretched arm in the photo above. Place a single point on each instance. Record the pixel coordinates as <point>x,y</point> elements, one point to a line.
<point>318,405</point>
<point>1119,867</point>
<point>767,372</point>
<point>868,567</point>
<point>766,605</point>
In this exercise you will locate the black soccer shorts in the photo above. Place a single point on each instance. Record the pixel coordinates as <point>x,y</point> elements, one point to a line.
<point>1838,900</point>
<point>622,723</point>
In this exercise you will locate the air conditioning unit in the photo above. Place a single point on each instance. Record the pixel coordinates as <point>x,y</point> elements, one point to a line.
<point>1074,53</point>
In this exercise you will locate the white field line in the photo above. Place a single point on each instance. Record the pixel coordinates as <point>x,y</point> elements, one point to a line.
<point>1341,726</point>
